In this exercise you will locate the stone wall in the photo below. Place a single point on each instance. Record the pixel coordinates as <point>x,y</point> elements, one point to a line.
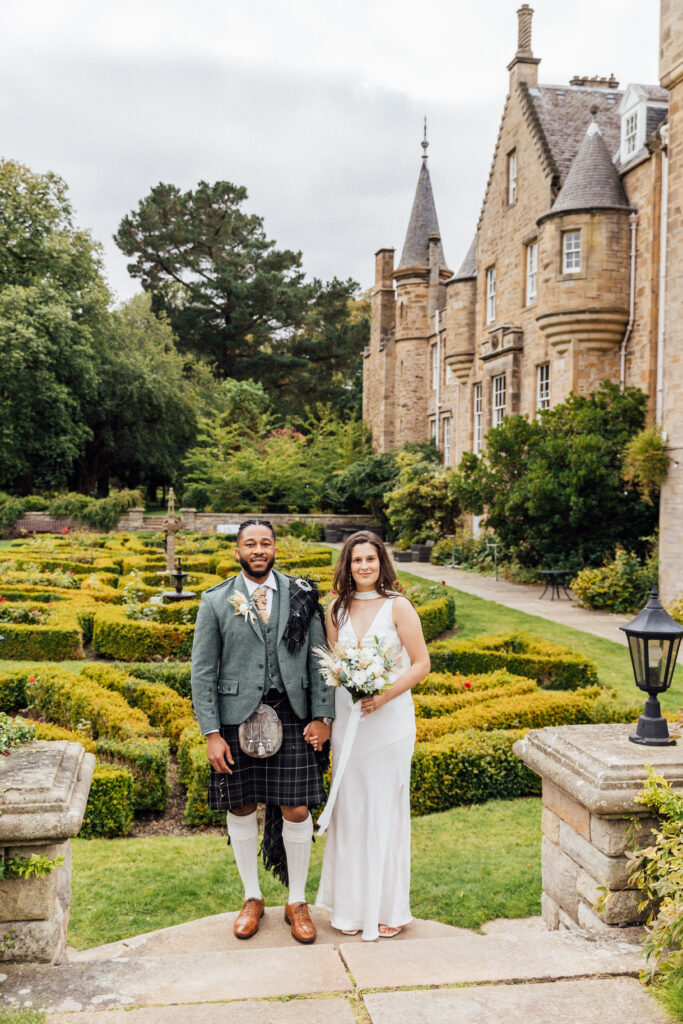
<point>206,522</point>
<point>671,509</point>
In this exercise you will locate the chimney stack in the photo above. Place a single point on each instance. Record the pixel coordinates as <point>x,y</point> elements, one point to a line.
<point>524,66</point>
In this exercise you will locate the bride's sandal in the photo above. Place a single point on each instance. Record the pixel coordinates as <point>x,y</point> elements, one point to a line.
<point>385,932</point>
<point>349,931</point>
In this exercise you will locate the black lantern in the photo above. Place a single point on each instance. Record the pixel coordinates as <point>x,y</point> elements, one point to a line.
<point>653,640</point>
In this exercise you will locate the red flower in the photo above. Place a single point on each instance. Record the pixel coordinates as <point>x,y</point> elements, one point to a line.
<point>444,582</point>
<point>468,686</point>
<point>32,679</point>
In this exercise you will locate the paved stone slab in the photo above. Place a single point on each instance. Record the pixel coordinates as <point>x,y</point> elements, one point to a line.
<point>610,1001</point>
<point>213,934</point>
<point>192,978</point>
<point>479,958</point>
<point>299,1011</point>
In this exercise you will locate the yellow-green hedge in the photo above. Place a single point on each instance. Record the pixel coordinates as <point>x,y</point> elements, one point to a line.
<point>555,667</point>
<point>469,767</point>
<point>68,699</point>
<point>533,710</point>
<point>436,616</point>
<point>449,682</point>
<point>437,705</point>
<point>197,811</point>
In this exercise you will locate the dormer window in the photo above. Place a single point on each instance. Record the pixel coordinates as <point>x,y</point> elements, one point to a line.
<point>630,134</point>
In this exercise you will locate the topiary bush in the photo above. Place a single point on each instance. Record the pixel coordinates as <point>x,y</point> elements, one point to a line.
<point>109,811</point>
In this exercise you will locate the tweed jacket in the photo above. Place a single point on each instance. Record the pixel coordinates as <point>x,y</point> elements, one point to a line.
<point>229,661</point>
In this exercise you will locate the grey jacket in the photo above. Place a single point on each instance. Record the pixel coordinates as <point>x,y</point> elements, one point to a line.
<point>229,663</point>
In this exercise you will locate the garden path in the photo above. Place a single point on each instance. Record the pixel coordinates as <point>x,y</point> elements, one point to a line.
<point>525,598</point>
<point>197,973</point>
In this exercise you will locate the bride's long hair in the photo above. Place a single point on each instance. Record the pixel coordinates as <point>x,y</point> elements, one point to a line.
<point>343,580</point>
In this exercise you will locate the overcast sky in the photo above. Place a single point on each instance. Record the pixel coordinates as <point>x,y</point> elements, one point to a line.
<point>315,106</point>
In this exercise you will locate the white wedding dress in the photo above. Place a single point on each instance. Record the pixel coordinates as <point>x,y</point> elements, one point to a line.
<point>365,877</point>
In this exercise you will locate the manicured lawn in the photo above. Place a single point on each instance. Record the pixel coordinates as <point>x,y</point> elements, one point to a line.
<point>469,865</point>
<point>475,616</point>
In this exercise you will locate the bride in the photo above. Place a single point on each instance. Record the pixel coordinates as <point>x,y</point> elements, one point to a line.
<point>365,880</point>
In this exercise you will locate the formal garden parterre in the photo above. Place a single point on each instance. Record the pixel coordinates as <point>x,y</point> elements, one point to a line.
<point>96,600</point>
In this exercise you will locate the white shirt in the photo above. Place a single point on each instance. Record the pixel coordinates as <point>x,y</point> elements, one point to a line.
<point>270,584</point>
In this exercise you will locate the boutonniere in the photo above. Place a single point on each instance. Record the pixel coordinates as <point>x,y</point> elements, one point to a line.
<point>243,606</point>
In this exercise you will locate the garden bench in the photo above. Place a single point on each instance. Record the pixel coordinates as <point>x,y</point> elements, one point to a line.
<point>36,524</point>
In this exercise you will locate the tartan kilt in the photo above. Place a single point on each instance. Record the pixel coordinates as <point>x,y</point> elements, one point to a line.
<point>290,778</point>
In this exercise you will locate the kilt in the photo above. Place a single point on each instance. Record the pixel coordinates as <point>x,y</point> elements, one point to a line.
<point>291,778</point>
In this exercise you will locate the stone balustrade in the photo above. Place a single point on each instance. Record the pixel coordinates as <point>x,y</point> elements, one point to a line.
<point>591,776</point>
<point>43,793</point>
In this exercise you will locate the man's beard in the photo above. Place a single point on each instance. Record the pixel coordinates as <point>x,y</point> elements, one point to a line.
<point>254,572</point>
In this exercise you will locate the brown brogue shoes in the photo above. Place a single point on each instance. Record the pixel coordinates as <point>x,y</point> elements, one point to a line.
<point>299,919</point>
<point>248,919</point>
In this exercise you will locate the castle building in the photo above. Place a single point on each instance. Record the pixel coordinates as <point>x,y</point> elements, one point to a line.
<point>564,283</point>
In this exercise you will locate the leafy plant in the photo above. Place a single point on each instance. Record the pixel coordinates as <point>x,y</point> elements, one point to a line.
<point>35,866</point>
<point>646,462</point>
<point>622,584</point>
<point>14,732</point>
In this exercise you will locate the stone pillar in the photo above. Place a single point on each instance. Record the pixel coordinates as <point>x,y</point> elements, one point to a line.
<point>591,776</point>
<point>43,793</point>
<point>188,519</point>
<point>133,520</point>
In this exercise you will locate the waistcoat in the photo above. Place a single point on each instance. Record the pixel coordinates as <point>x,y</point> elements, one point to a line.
<point>269,631</point>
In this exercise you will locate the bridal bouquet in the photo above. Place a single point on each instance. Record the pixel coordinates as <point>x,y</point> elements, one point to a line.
<point>362,670</point>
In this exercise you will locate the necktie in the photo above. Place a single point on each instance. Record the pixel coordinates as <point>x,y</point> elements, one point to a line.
<point>260,599</point>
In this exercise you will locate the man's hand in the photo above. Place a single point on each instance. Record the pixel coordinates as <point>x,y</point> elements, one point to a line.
<point>218,753</point>
<point>317,733</point>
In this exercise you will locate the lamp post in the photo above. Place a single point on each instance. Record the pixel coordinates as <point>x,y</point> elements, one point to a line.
<point>653,640</point>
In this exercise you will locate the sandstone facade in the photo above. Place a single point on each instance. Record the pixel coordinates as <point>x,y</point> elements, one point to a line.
<point>567,282</point>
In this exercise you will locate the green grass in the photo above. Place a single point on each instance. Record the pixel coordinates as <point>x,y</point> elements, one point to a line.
<point>21,1017</point>
<point>670,995</point>
<point>469,865</point>
<point>474,616</point>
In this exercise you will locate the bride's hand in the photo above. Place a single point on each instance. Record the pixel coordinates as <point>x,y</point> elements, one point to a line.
<point>370,704</point>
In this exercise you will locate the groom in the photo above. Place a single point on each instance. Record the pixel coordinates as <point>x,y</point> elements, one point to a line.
<point>253,645</point>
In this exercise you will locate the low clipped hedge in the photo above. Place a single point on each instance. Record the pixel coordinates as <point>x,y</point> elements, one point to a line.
<point>68,700</point>
<point>116,636</point>
<point>533,710</point>
<point>109,811</point>
<point>469,767</point>
<point>448,682</point>
<point>555,667</point>
<point>197,810</point>
<point>166,709</point>
<point>59,639</point>
<point>437,616</point>
<point>177,675</point>
<point>438,705</point>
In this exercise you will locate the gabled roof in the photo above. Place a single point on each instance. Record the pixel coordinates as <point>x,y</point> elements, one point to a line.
<point>423,223</point>
<point>593,181</point>
<point>468,267</point>
<point>563,113</point>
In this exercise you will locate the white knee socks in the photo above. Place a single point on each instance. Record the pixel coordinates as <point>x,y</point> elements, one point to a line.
<point>297,837</point>
<point>243,832</point>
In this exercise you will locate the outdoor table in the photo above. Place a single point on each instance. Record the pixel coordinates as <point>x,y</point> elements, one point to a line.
<point>556,581</point>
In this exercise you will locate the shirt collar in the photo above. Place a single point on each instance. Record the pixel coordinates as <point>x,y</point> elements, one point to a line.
<point>270,581</point>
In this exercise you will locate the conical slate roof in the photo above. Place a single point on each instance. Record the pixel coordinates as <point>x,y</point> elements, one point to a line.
<point>423,223</point>
<point>468,267</point>
<point>592,181</point>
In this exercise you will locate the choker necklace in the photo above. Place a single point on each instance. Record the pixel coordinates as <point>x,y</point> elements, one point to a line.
<point>366,595</point>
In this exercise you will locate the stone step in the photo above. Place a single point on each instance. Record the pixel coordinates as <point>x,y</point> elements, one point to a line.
<point>215,933</point>
<point>593,1001</point>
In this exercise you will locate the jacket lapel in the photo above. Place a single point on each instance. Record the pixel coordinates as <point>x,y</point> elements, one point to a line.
<point>242,587</point>
<point>283,584</point>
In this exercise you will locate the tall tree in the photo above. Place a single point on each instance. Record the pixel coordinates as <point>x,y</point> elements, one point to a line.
<point>235,299</point>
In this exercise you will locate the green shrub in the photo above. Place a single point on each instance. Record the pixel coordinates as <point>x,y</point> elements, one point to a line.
<point>176,674</point>
<point>197,811</point>
<point>468,768</point>
<point>124,639</point>
<point>147,761</point>
<point>101,513</point>
<point>11,509</point>
<point>555,667</point>
<point>190,738</point>
<point>54,642</point>
<point>447,682</point>
<point>109,811</point>
<point>620,585</point>
<point>13,690</point>
<point>48,731</point>
<point>14,732</point>
<point>437,616</point>
<point>165,708</point>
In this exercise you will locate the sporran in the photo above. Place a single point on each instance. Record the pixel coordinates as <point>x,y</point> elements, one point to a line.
<point>261,734</point>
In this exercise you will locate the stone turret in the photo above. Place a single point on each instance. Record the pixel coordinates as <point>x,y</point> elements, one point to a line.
<point>583,252</point>
<point>461,308</point>
<point>420,290</point>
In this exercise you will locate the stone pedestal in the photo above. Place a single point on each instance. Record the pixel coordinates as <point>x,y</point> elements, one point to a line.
<point>188,519</point>
<point>43,793</point>
<point>591,776</point>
